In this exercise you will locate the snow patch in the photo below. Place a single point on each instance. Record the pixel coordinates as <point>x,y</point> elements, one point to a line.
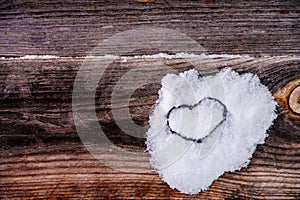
<point>192,166</point>
<point>154,56</point>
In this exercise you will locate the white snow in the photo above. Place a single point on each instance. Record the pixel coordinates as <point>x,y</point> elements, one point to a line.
<point>190,55</point>
<point>197,116</point>
<point>187,165</point>
<point>109,56</point>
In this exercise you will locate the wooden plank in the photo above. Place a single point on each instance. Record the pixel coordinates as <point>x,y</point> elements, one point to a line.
<point>39,93</point>
<point>68,171</point>
<point>42,156</point>
<point>73,28</point>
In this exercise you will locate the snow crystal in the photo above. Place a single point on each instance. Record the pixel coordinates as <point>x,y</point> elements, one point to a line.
<point>202,127</point>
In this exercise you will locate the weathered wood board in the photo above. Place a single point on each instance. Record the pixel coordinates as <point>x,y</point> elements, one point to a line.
<point>41,154</point>
<point>73,28</point>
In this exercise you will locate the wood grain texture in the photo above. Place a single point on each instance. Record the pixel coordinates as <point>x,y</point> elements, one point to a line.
<point>42,156</point>
<point>68,171</point>
<point>73,28</point>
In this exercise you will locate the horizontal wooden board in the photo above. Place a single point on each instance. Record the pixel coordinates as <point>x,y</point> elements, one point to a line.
<point>74,28</point>
<point>43,157</point>
<point>68,171</point>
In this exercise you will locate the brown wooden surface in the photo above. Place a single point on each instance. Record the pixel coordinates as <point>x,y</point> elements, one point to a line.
<point>41,155</point>
<point>73,28</point>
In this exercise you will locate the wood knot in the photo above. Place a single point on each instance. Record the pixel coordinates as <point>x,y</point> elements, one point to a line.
<point>294,100</point>
<point>289,97</point>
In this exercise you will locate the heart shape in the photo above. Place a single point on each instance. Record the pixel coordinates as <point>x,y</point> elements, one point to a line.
<point>190,121</point>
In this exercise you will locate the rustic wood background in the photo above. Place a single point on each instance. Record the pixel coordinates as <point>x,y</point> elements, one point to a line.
<point>40,150</point>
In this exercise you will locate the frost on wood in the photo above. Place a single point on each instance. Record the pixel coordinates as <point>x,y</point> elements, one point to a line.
<point>203,148</point>
<point>109,56</point>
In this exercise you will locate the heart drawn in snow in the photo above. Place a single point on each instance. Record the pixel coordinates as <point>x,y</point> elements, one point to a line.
<point>191,145</point>
<point>191,121</point>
